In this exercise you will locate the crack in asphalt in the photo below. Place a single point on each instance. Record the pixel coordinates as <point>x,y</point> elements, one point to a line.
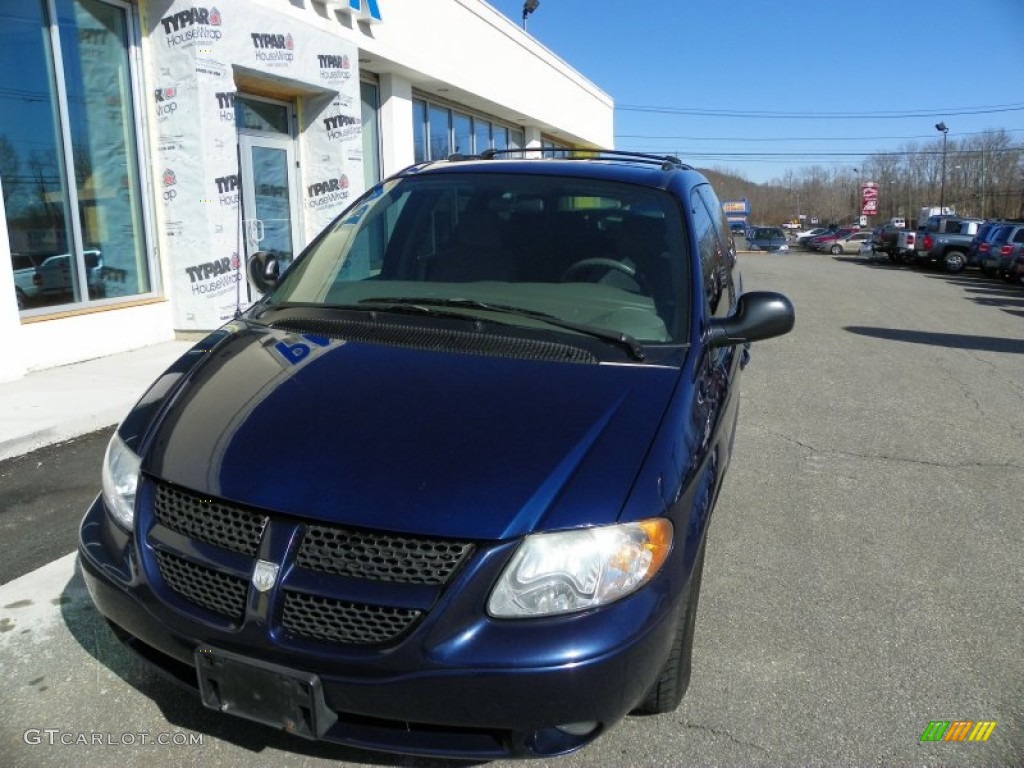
<point>968,392</point>
<point>904,459</point>
<point>716,732</point>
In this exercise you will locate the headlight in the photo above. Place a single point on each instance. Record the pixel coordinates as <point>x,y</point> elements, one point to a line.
<point>554,573</point>
<point>120,479</point>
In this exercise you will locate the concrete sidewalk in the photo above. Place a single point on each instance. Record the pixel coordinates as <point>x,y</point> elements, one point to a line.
<point>49,406</point>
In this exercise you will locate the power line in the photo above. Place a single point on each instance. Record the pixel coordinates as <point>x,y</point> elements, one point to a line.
<point>759,155</point>
<point>764,114</point>
<point>801,138</point>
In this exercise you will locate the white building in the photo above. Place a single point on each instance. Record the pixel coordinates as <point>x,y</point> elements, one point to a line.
<point>146,148</point>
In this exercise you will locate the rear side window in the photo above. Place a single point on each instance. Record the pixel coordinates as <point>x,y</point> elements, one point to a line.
<point>1002,235</point>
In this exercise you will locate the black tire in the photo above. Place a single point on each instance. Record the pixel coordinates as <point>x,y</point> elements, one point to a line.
<point>836,249</point>
<point>955,261</point>
<point>673,680</point>
<point>22,298</point>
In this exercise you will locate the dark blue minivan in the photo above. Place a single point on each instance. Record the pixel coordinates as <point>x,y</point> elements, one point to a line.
<point>445,489</point>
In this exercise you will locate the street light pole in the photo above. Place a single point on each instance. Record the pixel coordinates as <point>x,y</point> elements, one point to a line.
<point>529,7</point>
<point>942,189</point>
<point>857,212</point>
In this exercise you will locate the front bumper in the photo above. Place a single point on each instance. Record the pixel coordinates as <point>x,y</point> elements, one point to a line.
<point>457,686</point>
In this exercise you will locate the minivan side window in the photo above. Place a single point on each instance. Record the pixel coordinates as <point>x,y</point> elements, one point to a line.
<point>716,272</point>
<point>727,251</point>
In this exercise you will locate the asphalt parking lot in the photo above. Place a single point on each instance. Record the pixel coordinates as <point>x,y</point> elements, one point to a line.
<point>863,578</point>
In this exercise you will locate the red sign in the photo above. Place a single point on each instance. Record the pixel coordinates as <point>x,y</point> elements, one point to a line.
<point>869,198</point>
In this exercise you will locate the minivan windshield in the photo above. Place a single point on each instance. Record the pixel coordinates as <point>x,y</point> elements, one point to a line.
<point>595,253</point>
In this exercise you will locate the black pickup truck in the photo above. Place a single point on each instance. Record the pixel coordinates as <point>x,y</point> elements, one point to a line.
<point>945,240</point>
<point>885,240</point>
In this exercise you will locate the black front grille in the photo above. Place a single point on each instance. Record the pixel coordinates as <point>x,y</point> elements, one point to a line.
<point>380,556</point>
<point>209,520</point>
<point>200,575</point>
<point>338,621</point>
<point>215,591</point>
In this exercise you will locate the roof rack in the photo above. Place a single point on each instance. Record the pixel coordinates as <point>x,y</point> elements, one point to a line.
<point>667,162</point>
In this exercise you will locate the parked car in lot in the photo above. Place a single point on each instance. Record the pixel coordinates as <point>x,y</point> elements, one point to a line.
<point>850,243</point>
<point>825,241</point>
<point>445,489</point>
<point>1006,245</point>
<point>25,288</point>
<point>53,276</point>
<point>1016,271</point>
<point>981,244</point>
<point>885,239</point>
<point>767,239</point>
<point>804,236</point>
<point>945,240</point>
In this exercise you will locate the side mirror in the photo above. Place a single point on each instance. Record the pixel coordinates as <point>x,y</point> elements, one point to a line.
<point>759,315</point>
<point>264,271</point>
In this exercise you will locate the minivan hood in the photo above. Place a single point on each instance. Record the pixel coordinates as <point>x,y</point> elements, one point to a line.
<point>408,440</point>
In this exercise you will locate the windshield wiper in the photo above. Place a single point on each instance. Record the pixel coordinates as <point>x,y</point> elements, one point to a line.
<point>623,340</point>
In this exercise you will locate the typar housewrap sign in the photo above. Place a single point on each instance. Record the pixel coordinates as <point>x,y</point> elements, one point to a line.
<point>200,52</point>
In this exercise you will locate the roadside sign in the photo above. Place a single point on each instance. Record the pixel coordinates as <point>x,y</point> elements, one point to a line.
<point>869,198</point>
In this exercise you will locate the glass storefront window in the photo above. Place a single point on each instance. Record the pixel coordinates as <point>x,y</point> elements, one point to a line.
<point>83,238</point>
<point>419,131</point>
<point>462,129</point>
<point>500,137</point>
<point>440,140</point>
<point>31,152</point>
<point>482,129</point>
<point>371,133</point>
<point>439,132</point>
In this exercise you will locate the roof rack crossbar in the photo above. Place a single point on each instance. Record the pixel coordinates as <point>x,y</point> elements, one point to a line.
<point>667,162</point>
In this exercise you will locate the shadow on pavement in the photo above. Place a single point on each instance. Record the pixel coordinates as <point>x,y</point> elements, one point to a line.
<point>181,705</point>
<point>950,340</point>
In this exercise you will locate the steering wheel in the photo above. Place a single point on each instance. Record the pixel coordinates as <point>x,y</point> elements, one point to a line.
<point>608,264</point>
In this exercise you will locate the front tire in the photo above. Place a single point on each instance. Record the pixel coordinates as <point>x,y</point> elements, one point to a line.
<point>673,680</point>
<point>836,250</point>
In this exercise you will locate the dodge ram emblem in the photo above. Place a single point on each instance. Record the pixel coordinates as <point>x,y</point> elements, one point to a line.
<point>264,575</point>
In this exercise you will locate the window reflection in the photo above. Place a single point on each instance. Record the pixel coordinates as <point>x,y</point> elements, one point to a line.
<point>109,259</point>
<point>462,128</point>
<point>31,156</point>
<point>419,131</point>
<point>483,135</point>
<point>439,132</point>
<point>440,142</point>
<point>368,94</point>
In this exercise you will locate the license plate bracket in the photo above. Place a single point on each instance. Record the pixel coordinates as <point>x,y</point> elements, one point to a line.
<point>283,698</point>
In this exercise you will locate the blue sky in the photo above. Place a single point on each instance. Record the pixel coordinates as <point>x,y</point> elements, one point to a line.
<point>937,59</point>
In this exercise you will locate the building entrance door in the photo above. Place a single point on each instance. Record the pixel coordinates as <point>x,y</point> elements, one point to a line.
<point>270,219</point>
